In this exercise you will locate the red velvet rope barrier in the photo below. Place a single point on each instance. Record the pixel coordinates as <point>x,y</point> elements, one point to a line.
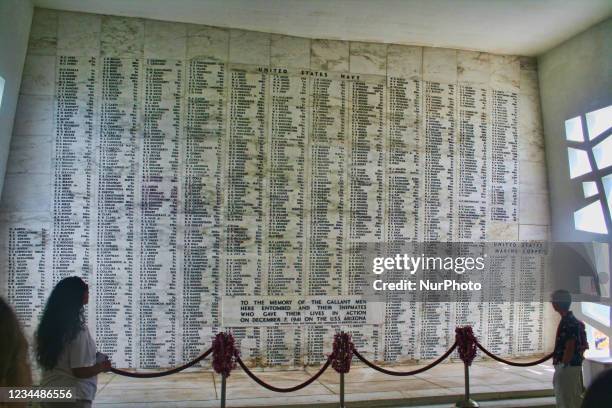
<point>226,355</point>
<point>163,373</point>
<point>406,373</point>
<point>290,389</point>
<point>512,363</point>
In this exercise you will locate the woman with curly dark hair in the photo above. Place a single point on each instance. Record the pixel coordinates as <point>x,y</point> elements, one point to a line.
<point>64,347</point>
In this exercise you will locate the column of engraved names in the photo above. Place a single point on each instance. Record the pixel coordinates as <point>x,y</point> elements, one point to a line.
<point>504,156</point>
<point>327,184</point>
<point>119,123</point>
<point>163,84</point>
<point>285,205</point>
<point>501,280</point>
<point>204,135</point>
<point>367,99</point>
<point>529,307</point>
<point>438,205</point>
<point>503,207</point>
<point>472,163</point>
<point>365,205</point>
<point>439,162</point>
<point>74,129</point>
<point>472,166</point>
<point>244,178</point>
<point>286,183</point>
<point>26,255</point>
<point>403,178</point>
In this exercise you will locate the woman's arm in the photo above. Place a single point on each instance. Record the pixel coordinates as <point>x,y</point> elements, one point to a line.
<point>86,372</point>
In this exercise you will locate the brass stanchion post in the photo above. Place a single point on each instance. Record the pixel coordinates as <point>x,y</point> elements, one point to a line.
<point>467,402</point>
<point>223,390</point>
<point>341,390</point>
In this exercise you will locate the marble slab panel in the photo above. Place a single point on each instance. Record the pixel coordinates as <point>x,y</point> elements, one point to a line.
<point>26,193</point>
<point>529,76</point>
<point>38,76</point>
<point>78,34</point>
<point>34,115</point>
<point>404,61</point>
<point>122,37</point>
<point>473,67</point>
<point>165,40</point>
<point>249,47</point>
<point>368,58</point>
<point>30,155</point>
<point>531,134</point>
<point>329,55</point>
<point>505,72</point>
<point>440,65</point>
<point>289,52</point>
<point>534,208</point>
<point>533,177</point>
<point>501,231</point>
<point>208,42</point>
<point>534,232</point>
<point>43,32</point>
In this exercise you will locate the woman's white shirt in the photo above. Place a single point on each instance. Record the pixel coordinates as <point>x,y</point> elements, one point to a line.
<point>80,352</point>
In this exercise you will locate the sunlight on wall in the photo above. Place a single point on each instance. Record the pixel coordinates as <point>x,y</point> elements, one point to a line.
<point>1,90</point>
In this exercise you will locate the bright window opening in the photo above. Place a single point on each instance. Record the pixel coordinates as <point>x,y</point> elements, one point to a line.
<point>596,316</point>
<point>578,162</point>
<point>599,343</point>
<point>598,312</point>
<point>591,219</point>
<point>598,121</point>
<point>603,153</point>
<point>594,159</point>
<point>573,129</point>
<point>589,188</point>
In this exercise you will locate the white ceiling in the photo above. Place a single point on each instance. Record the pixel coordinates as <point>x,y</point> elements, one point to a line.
<point>520,27</point>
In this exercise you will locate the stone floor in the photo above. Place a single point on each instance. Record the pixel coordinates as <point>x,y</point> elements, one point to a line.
<point>365,387</point>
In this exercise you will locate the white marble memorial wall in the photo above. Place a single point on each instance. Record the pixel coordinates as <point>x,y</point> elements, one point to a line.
<point>173,164</point>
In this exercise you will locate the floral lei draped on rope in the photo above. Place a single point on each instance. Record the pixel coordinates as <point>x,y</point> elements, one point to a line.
<point>225,353</point>
<point>342,353</point>
<point>466,344</point>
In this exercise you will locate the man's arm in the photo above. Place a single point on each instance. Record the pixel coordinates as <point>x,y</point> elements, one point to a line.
<point>568,353</point>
